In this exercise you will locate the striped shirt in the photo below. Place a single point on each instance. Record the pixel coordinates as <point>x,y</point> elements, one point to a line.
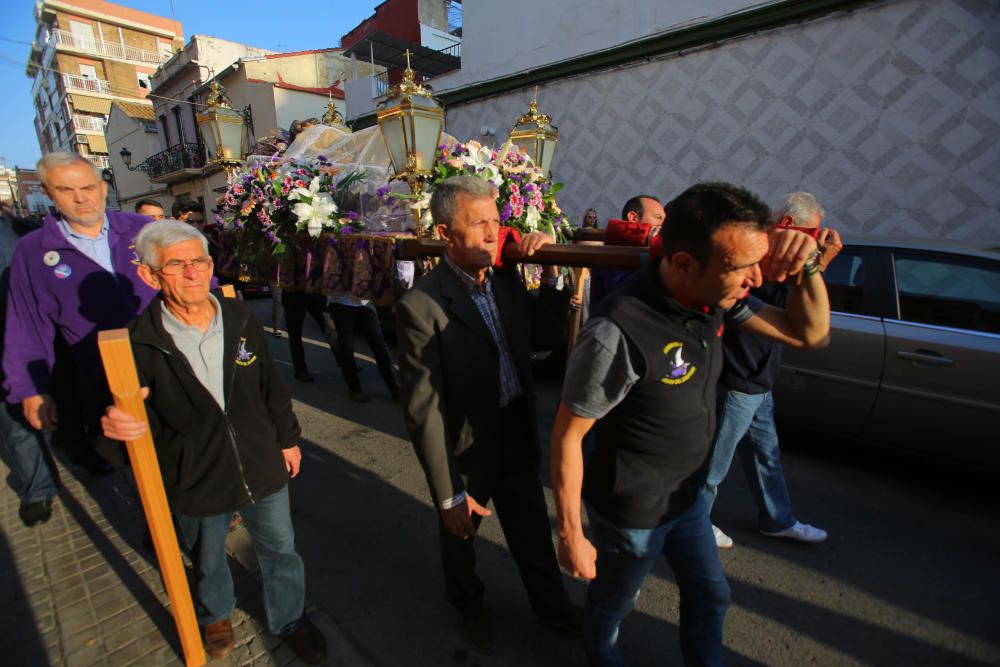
<point>486,304</point>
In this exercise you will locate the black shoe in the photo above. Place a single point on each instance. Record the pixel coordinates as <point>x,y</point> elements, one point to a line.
<point>304,376</point>
<point>477,627</point>
<point>358,395</point>
<point>36,512</point>
<point>568,622</point>
<point>307,643</point>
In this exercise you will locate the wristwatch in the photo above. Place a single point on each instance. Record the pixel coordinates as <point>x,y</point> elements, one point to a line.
<point>812,265</point>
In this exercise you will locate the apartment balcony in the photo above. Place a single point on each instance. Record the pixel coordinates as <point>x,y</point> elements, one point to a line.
<point>72,82</point>
<point>114,50</point>
<point>178,163</point>
<point>99,161</point>
<point>88,123</point>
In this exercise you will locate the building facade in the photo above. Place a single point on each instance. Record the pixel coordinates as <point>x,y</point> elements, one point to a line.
<point>87,54</point>
<point>887,110</point>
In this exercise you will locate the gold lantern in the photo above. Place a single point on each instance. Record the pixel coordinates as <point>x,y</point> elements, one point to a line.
<point>223,129</point>
<point>536,135</point>
<point>411,126</point>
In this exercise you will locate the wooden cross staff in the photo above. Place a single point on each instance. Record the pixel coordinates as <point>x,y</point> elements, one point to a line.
<point>123,379</point>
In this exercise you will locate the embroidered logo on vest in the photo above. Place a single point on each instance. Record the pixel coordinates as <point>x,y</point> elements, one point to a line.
<point>244,358</point>
<point>680,370</point>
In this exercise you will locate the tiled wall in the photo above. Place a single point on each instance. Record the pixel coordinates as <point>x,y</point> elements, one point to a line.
<point>890,114</point>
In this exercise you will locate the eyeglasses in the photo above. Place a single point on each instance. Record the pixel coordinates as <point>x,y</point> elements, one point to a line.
<point>177,267</point>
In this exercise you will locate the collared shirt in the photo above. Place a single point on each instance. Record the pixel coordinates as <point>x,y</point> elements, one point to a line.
<point>486,304</point>
<point>96,248</point>
<point>203,351</point>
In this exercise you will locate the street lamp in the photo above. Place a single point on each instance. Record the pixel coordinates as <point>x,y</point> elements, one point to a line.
<point>411,128</point>
<point>536,135</point>
<point>127,158</point>
<point>223,129</point>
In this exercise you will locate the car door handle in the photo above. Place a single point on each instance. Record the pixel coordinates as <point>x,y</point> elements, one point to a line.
<point>925,357</point>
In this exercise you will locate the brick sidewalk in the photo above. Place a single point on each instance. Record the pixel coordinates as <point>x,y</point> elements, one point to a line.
<point>81,590</point>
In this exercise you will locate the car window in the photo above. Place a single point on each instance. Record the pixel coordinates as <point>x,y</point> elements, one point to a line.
<point>845,281</point>
<point>949,291</point>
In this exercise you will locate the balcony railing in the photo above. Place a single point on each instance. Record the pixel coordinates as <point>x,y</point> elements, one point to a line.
<point>101,161</point>
<point>380,82</point>
<point>109,49</point>
<point>175,158</point>
<point>74,82</point>
<point>91,123</point>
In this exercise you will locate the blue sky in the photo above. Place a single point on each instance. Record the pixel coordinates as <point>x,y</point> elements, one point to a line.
<point>268,25</point>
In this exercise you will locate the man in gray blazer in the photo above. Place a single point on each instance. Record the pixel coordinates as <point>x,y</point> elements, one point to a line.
<point>468,399</point>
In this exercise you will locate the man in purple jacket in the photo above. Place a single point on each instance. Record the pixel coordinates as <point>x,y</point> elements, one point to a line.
<point>72,278</point>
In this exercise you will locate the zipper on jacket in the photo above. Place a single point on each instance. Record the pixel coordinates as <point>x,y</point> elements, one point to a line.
<point>239,461</point>
<point>229,427</point>
<point>225,414</point>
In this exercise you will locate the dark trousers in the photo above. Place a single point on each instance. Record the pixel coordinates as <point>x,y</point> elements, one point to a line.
<point>519,503</point>
<point>296,305</point>
<point>349,320</point>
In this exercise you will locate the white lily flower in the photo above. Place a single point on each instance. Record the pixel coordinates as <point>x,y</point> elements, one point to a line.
<point>481,160</point>
<point>316,214</point>
<point>532,217</point>
<point>311,192</point>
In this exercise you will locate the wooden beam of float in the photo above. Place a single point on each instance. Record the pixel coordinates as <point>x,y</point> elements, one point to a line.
<point>560,254</point>
<point>119,365</point>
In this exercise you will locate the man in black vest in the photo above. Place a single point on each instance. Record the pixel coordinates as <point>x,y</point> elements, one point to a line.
<point>646,367</point>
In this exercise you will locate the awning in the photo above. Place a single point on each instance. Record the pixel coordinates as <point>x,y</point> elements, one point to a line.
<point>390,52</point>
<point>90,104</point>
<point>98,144</point>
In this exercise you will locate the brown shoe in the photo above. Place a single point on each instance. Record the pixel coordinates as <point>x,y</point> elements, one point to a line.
<point>219,639</point>
<point>307,643</point>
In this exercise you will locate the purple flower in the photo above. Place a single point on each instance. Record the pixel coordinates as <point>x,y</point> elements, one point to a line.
<point>353,215</point>
<point>382,191</point>
<point>347,229</point>
<point>505,213</point>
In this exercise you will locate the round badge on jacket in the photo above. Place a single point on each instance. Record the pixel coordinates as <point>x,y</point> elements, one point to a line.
<point>63,271</point>
<point>51,258</point>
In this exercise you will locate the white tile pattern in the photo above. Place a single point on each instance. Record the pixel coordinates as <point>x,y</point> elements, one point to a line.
<point>890,114</point>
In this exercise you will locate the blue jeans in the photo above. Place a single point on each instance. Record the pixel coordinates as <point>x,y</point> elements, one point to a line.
<point>749,418</point>
<point>269,522</point>
<point>25,453</point>
<point>624,558</point>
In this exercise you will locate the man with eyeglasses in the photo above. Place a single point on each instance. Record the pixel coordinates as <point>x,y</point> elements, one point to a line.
<point>70,279</point>
<point>224,431</point>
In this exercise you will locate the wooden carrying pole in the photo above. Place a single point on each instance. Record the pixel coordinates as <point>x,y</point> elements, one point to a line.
<point>560,254</point>
<point>119,365</point>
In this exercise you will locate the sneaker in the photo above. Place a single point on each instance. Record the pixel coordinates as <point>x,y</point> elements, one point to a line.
<point>802,532</point>
<point>35,512</point>
<point>722,540</point>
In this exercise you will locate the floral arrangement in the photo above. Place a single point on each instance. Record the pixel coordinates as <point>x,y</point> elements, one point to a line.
<point>525,200</point>
<point>271,203</point>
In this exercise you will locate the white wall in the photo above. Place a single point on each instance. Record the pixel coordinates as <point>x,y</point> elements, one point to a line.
<point>895,136</point>
<point>502,38</point>
<point>292,105</point>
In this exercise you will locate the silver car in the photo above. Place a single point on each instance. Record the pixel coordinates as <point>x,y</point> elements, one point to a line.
<point>914,357</point>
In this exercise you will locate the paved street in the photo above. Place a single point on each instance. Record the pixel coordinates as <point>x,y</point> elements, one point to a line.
<point>909,575</point>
